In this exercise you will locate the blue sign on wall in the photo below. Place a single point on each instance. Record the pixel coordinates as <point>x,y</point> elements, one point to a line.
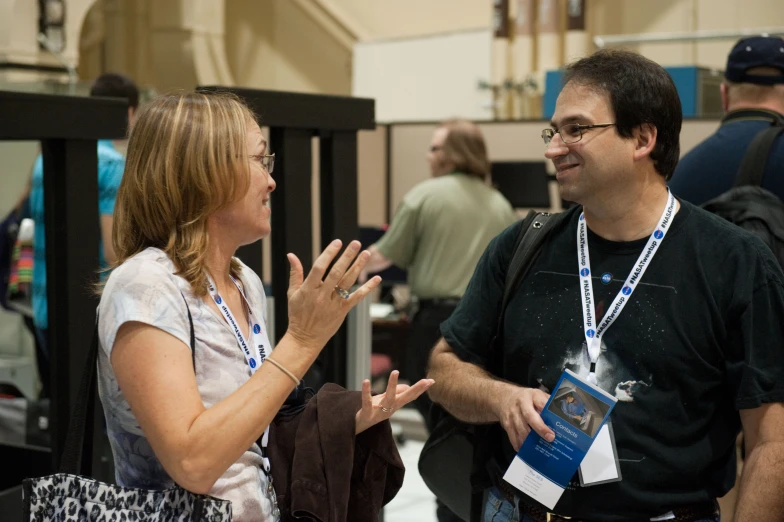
<point>686,81</point>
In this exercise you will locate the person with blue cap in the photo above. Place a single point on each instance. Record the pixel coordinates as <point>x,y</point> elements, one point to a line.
<point>752,96</point>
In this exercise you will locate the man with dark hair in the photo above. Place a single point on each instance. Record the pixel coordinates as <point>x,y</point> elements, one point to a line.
<point>752,95</point>
<point>631,286</point>
<point>113,85</point>
<point>111,164</point>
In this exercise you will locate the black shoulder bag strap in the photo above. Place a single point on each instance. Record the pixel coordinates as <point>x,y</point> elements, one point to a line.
<point>533,233</point>
<point>77,451</point>
<point>752,168</point>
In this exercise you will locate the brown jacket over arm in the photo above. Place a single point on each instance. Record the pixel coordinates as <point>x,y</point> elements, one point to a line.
<point>322,471</point>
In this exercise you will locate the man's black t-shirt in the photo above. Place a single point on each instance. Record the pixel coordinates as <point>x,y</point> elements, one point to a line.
<point>701,337</point>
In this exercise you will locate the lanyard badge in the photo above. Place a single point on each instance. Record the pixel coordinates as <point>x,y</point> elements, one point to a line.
<point>593,328</point>
<point>255,351</point>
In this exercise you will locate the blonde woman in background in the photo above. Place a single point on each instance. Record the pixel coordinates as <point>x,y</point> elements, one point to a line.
<point>196,187</point>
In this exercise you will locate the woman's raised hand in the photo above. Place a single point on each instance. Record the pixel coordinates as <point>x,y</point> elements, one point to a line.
<point>381,407</point>
<point>316,306</point>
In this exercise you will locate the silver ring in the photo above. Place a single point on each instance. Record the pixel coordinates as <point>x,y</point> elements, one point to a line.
<point>342,292</point>
<point>386,410</point>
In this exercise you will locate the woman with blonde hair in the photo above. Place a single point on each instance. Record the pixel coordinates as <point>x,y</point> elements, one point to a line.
<point>196,187</point>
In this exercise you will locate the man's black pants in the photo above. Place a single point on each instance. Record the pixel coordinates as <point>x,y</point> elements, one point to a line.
<point>422,338</point>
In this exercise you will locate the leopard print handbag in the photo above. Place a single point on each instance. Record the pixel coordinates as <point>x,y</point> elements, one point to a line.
<point>68,497</point>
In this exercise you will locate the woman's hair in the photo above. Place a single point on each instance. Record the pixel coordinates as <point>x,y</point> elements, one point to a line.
<point>187,157</point>
<point>465,148</point>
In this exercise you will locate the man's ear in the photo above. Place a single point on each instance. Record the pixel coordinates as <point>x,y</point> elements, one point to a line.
<point>644,140</point>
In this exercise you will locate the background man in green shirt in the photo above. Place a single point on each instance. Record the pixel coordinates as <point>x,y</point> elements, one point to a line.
<point>439,231</point>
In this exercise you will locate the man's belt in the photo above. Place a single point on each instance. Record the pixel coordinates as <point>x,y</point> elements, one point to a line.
<point>442,302</point>
<point>689,513</point>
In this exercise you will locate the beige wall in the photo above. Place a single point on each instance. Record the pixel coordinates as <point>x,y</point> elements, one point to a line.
<point>274,44</point>
<point>270,44</point>
<point>624,17</point>
<point>416,78</point>
<point>177,44</point>
<point>18,158</point>
<point>518,141</point>
<point>371,168</point>
<point>18,43</point>
<point>294,44</point>
<point>426,78</point>
<point>385,19</point>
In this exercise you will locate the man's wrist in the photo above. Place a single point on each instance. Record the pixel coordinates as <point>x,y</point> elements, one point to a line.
<point>500,391</point>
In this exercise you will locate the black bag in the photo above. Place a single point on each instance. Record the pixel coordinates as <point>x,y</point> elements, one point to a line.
<point>747,204</point>
<point>9,229</point>
<point>67,497</point>
<point>454,458</point>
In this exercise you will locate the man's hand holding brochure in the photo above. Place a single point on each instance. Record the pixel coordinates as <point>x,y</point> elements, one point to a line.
<point>577,413</point>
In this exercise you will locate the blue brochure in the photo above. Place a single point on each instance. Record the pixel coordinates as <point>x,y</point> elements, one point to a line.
<point>576,411</point>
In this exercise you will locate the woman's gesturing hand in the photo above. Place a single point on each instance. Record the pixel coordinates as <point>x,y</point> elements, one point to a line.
<point>380,407</point>
<point>316,309</point>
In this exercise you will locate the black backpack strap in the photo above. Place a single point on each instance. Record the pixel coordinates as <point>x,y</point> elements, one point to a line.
<point>77,451</point>
<point>533,232</point>
<point>193,335</point>
<point>752,168</point>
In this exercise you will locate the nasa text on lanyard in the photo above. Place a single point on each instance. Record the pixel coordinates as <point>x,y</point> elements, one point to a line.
<point>594,332</point>
<point>255,351</point>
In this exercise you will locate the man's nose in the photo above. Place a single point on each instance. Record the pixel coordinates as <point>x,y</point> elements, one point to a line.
<point>556,147</point>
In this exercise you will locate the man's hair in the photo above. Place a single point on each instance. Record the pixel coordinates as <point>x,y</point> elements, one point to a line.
<point>187,158</point>
<point>465,148</point>
<point>755,93</point>
<point>640,92</point>
<point>116,86</point>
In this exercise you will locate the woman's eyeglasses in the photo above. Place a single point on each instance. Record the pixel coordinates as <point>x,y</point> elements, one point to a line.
<point>267,161</point>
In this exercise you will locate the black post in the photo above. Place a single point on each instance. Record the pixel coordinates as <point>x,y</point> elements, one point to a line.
<point>68,128</point>
<point>252,255</point>
<point>292,214</point>
<point>338,221</point>
<point>339,201</point>
<point>72,239</point>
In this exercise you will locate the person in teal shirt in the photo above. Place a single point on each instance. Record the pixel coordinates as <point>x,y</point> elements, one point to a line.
<point>111,164</point>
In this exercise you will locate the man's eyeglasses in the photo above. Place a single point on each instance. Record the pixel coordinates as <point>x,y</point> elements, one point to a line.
<point>267,161</point>
<point>571,133</point>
